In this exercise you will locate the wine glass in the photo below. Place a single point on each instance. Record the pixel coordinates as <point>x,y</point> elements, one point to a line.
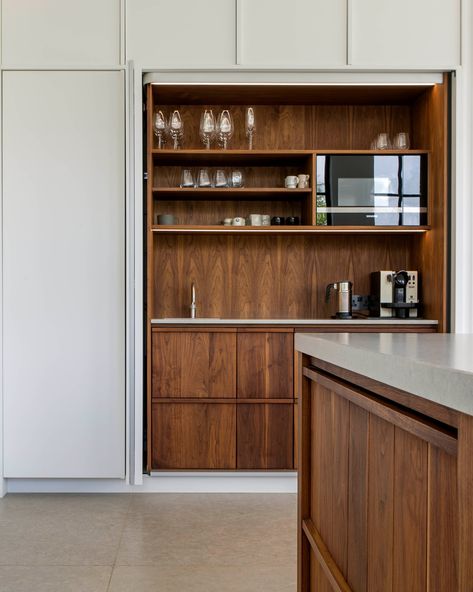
<point>224,128</point>
<point>401,141</point>
<point>160,128</point>
<point>176,128</point>
<point>250,126</point>
<point>207,127</point>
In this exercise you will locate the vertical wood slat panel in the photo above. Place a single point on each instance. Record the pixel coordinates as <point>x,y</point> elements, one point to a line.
<point>357,537</point>
<point>304,478</point>
<point>380,505</point>
<point>410,512</point>
<point>465,516</point>
<point>442,556</point>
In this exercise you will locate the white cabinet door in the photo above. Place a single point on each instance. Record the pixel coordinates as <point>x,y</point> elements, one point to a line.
<point>405,33</point>
<point>64,267</point>
<point>60,32</point>
<point>309,33</point>
<point>181,32</point>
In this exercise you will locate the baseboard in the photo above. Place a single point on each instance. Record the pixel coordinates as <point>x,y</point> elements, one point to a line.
<point>202,482</point>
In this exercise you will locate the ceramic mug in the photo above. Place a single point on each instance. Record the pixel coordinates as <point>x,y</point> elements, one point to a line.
<point>227,222</point>
<point>277,221</point>
<point>256,220</point>
<point>291,182</point>
<point>265,220</point>
<point>303,181</point>
<point>238,221</point>
<point>166,219</point>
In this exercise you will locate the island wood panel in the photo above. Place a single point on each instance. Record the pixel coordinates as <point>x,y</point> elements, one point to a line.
<point>381,499</point>
<point>265,364</point>
<point>432,106</point>
<point>249,276</point>
<point>265,436</point>
<point>194,363</point>
<point>193,436</point>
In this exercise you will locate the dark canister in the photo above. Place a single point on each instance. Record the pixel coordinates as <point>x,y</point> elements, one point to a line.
<point>292,220</point>
<point>277,221</point>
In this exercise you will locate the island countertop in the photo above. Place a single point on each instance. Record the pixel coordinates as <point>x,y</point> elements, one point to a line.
<point>437,367</point>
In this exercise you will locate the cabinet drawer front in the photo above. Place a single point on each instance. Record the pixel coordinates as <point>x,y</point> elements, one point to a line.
<point>265,365</point>
<point>188,364</point>
<point>265,436</point>
<point>193,436</point>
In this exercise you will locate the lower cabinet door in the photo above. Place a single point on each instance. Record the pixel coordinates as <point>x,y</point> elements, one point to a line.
<point>265,434</point>
<point>193,436</point>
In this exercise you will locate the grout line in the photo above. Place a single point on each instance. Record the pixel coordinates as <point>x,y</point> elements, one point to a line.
<point>125,521</point>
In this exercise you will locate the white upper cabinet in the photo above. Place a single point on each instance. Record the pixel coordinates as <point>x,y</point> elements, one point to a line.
<point>60,33</point>
<point>63,274</point>
<point>181,33</point>
<point>310,33</point>
<point>405,33</point>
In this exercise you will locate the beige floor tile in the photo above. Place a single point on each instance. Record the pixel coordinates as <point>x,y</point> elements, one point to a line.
<point>54,579</point>
<point>61,529</point>
<point>209,530</point>
<point>200,579</point>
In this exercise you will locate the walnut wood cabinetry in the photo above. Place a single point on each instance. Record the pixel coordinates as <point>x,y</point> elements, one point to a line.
<point>378,499</point>
<point>222,399</point>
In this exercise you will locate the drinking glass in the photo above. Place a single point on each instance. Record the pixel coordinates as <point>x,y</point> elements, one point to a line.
<point>176,128</point>
<point>220,179</point>
<point>250,126</point>
<point>401,141</point>
<point>207,127</point>
<point>224,128</point>
<point>187,178</point>
<point>204,178</point>
<point>382,141</point>
<point>160,128</point>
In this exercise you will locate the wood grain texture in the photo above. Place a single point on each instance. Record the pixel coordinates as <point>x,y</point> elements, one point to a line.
<point>265,365</point>
<point>410,512</point>
<point>305,573</point>
<point>194,364</point>
<point>465,506</point>
<point>265,436</point>
<point>357,520</point>
<point>442,531</point>
<point>380,505</point>
<point>193,436</point>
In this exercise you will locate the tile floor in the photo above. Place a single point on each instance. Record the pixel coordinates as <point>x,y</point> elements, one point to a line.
<point>148,542</point>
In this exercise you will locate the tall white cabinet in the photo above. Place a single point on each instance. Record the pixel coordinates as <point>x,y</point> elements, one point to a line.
<point>64,274</point>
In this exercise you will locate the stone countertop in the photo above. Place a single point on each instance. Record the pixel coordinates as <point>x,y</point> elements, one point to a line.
<point>437,367</point>
<point>290,322</point>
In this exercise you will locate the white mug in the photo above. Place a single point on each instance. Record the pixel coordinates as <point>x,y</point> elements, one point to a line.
<point>256,220</point>
<point>227,222</point>
<point>265,220</point>
<point>291,181</point>
<point>303,181</point>
<point>238,221</point>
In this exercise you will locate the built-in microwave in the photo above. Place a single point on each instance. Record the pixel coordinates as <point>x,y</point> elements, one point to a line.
<point>371,189</point>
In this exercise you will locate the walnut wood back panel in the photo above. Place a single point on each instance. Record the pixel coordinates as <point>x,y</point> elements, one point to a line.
<point>267,276</point>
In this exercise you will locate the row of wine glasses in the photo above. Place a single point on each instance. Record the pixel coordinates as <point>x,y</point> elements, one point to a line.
<point>212,129</point>
<point>174,127</point>
<point>383,142</point>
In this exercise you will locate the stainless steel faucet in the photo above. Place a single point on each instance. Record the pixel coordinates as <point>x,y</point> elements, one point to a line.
<point>193,306</point>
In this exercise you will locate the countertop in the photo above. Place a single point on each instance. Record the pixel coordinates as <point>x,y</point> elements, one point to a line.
<point>291,322</point>
<point>437,367</point>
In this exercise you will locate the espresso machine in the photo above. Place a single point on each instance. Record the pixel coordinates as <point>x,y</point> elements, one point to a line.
<point>394,294</point>
<point>343,293</point>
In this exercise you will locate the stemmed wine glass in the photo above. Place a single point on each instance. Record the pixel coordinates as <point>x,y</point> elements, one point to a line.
<point>207,127</point>
<point>224,128</point>
<point>250,126</point>
<point>176,128</point>
<point>160,128</point>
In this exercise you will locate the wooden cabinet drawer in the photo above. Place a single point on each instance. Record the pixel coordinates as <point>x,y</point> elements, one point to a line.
<point>265,436</point>
<point>190,364</point>
<point>194,436</point>
<point>265,365</point>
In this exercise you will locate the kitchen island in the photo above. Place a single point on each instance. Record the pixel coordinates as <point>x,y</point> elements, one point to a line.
<point>385,462</point>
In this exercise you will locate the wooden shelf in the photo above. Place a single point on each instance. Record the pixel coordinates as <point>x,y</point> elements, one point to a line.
<point>241,157</point>
<point>218,228</point>
<point>237,193</point>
